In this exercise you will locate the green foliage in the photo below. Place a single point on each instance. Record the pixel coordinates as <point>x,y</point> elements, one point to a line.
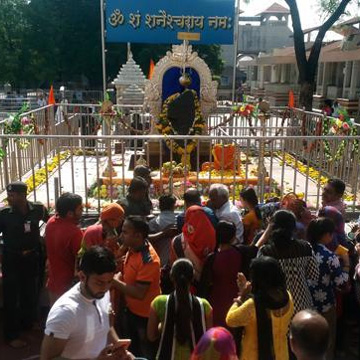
<point>13,26</point>
<point>59,41</point>
<point>327,7</point>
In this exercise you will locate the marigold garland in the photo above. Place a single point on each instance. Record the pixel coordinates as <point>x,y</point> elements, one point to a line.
<point>310,171</point>
<point>165,127</point>
<point>40,176</point>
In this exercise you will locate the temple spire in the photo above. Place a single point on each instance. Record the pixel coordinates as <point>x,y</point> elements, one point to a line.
<point>129,53</point>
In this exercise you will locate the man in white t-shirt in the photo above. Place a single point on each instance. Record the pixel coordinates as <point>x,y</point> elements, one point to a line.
<point>78,325</point>
<point>225,209</point>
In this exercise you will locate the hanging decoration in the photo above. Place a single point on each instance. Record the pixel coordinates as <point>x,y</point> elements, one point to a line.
<point>17,125</point>
<point>258,111</point>
<point>341,126</point>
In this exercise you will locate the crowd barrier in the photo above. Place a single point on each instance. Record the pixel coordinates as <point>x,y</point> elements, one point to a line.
<point>276,155</point>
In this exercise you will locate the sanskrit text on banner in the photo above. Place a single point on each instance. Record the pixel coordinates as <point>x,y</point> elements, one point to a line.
<point>159,21</point>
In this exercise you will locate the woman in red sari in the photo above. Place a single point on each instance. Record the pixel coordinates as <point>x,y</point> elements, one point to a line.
<point>196,241</point>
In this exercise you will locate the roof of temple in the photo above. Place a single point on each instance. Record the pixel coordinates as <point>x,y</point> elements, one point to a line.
<point>275,8</point>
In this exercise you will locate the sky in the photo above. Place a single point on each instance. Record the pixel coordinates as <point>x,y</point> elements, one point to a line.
<point>308,9</point>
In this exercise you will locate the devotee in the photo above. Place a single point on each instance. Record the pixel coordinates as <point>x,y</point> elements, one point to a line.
<point>338,243</point>
<point>225,210</point>
<point>216,344</point>
<point>164,220</point>
<point>196,241</point>
<point>63,239</point>
<point>309,335</point>
<point>78,325</point>
<point>266,314</point>
<point>167,214</point>
<point>19,225</point>
<point>184,318</point>
<point>143,172</point>
<point>252,221</point>
<point>136,201</point>
<point>296,257</point>
<point>41,100</point>
<point>192,197</point>
<point>332,275</point>
<point>218,278</point>
<point>332,194</point>
<point>140,283</point>
<point>302,214</point>
<point>340,247</point>
<point>106,231</point>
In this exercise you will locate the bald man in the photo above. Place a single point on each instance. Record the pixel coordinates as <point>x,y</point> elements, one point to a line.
<point>309,335</point>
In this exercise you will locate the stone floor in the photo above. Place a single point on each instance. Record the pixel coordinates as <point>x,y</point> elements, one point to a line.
<point>72,177</point>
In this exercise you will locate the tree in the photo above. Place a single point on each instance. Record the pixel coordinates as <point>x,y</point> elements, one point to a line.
<point>13,26</point>
<point>307,65</point>
<point>59,41</point>
<point>64,43</point>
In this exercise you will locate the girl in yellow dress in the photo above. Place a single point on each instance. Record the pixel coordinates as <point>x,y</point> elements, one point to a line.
<point>264,308</point>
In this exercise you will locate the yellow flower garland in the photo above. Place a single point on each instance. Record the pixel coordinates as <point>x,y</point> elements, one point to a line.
<point>40,177</point>
<point>165,127</point>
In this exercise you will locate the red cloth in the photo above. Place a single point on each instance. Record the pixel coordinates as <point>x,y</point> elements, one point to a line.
<point>198,232</point>
<point>93,235</point>
<point>63,240</point>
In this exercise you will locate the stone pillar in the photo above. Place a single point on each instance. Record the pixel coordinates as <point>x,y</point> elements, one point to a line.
<point>273,74</point>
<point>261,76</point>
<point>249,75</point>
<point>354,80</point>
<point>347,75</point>
<point>325,80</point>
<point>283,74</point>
<point>278,73</point>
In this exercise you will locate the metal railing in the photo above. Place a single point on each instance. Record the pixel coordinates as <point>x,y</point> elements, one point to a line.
<point>101,172</point>
<point>273,155</point>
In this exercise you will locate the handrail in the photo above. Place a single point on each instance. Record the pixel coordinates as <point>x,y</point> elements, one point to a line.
<point>179,137</point>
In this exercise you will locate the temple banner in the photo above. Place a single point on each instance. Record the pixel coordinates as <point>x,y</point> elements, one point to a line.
<point>160,21</point>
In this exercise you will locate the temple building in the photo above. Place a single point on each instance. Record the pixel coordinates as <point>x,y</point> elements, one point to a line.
<point>257,35</point>
<point>273,74</point>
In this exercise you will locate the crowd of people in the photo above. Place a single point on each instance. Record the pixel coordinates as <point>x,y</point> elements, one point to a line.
<point>270,281</point>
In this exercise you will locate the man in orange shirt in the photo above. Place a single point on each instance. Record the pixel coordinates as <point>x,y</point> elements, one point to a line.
<point>140,283</point>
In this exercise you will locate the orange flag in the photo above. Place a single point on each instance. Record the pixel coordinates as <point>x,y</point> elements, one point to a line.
<point>151,69</point>
<point>291,99</point>
<point>51,100</point>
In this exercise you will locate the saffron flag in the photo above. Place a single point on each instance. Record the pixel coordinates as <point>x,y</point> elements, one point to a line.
<point>151,69</point>
<point>291,99</point>
<point>51,100</point>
